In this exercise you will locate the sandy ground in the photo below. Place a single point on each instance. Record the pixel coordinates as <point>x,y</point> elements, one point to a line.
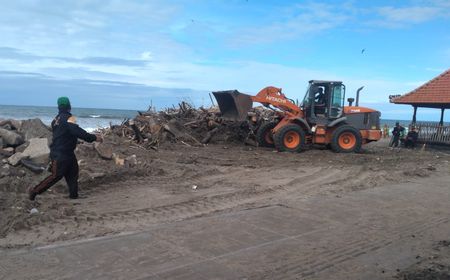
<point>179,183</point>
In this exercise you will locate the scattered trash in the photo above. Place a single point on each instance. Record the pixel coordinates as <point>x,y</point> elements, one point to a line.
<point>34,211</point>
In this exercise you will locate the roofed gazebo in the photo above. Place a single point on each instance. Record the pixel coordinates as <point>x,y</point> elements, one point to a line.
<point>433,94</point>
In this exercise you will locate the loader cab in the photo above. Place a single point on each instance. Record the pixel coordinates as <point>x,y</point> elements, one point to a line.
<point>324,101</point>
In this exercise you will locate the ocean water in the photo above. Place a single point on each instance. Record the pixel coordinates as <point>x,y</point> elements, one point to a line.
<point>87,118</point>
<point>91,119</point>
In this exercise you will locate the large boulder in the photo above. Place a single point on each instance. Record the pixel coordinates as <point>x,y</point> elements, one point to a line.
<point>16,124</point>
<point>37,152</point>
<point>34,128</point>
<point>105,151</point>
<point>10,138</point>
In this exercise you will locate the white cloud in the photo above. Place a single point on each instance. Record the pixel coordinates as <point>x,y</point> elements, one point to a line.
<point>291,22</point>
<point>432,69</point>
<point>409,14</point>
<point>395,17</point>
<point>147,55</point>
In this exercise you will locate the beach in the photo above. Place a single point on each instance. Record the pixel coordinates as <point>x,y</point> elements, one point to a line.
<point>185,183</point>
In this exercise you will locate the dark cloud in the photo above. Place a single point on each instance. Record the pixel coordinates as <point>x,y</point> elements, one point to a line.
<point>81,73</point>
<point>22,74</point>
<point>16,54</point>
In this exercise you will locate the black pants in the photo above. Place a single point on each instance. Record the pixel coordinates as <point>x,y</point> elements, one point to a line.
<point>67,168</point>
<point>395,141</point>
<point>409,143</point>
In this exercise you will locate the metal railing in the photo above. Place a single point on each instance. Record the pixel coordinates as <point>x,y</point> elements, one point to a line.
<point>433,133</point>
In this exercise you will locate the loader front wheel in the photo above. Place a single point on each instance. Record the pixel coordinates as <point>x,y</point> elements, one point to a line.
<point>264,135</point>
<point>346,139</point>
<point>290,138</point>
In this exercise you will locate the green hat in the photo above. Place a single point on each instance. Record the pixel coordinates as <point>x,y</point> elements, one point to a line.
<point>63,102</point>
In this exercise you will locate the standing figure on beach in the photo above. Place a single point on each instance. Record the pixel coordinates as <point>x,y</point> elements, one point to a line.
<point>385,131</point>
<point>397,133</point>
<point>63,160</point>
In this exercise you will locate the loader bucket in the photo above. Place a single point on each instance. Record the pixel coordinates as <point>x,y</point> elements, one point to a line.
<point>233,105</point>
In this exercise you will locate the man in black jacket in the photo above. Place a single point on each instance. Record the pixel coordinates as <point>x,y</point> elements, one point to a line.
<point>397,134</point>
<point>63,160</point>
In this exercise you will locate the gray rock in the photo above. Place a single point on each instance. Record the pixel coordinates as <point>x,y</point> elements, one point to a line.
<point>34,128</point>
<point>1,142</point>
<point>16,124</point>
<point>10,138</point>
<point>21,148</point>
<point>7,127</point>
<point>131,160</point>
<point>7,151</point>
<point>104,150</point>
<point>38,151</point>
<point>5,171</point>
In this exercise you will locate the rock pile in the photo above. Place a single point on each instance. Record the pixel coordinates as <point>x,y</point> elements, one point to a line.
<point>24,142</point>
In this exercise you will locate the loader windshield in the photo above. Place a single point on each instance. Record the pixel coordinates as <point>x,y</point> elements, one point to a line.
<point>306,100</point>
<point>337,101</point>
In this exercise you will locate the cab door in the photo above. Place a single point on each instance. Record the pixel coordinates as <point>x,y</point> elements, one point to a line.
<point>337,100</point>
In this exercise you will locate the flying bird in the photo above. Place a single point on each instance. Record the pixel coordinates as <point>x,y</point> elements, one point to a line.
<point>363,50</point>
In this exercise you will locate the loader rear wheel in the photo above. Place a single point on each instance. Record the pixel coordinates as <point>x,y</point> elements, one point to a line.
<point>346,139</point>
<point>290,138</point>
<point>264,135</point>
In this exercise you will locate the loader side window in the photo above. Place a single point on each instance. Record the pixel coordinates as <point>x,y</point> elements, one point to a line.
<point>337,101</point>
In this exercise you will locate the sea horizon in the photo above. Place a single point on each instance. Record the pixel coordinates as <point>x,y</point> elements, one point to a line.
<point>95,118</point>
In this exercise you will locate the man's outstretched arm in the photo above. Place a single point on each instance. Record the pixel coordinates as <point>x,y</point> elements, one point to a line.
<point>77,131</point>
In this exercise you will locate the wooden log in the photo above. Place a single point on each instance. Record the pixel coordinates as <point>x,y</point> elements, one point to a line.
<point>196,122</point>
<point>137,133</point>
<point>209,135</point>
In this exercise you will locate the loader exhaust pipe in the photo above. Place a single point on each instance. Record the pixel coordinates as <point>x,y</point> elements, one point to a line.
<point>357,96</point>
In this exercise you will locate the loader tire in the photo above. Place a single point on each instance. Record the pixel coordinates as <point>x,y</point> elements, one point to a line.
<point>290,138</point>
<point>346,139</point>
<point>264,135</point>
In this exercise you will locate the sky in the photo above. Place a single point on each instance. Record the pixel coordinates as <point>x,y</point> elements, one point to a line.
<point>125,54</point>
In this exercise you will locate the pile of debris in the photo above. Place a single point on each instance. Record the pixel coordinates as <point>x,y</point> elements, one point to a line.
<point>190,126</point>
<point>25,143</point>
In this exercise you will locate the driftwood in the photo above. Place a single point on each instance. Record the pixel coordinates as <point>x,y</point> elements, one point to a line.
<point>137,133</point>
<point>209,135</point>
<point>189,126</point>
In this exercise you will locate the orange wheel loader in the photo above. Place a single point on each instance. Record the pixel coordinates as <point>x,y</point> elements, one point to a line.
<point>322,118</point>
